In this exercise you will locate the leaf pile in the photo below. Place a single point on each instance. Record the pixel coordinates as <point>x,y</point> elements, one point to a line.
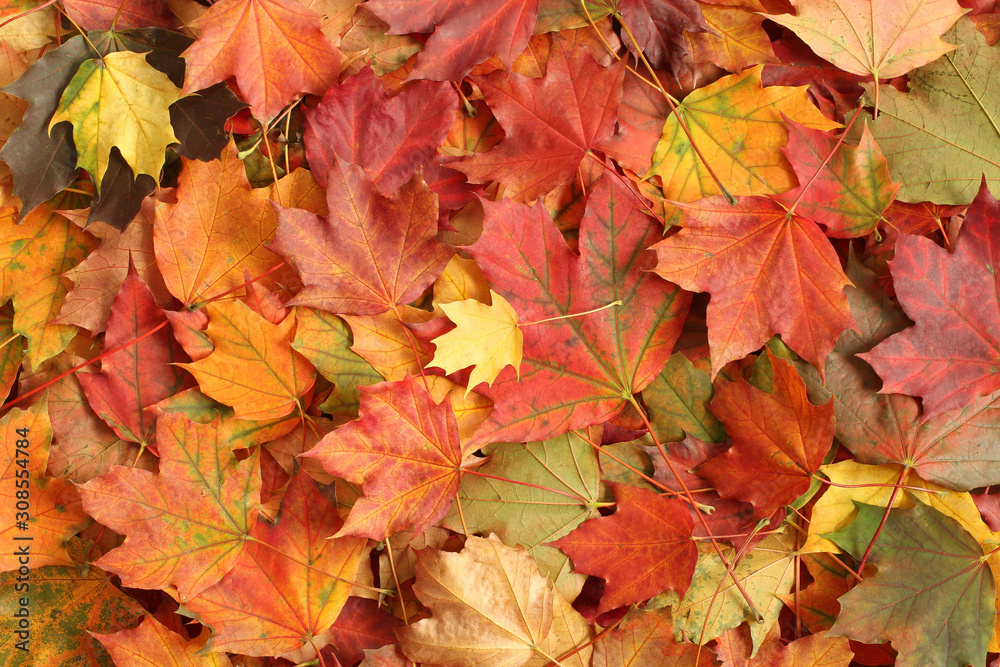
<point>500,333</point>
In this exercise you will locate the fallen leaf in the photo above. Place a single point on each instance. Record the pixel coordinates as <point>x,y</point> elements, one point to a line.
<point>509,601</point>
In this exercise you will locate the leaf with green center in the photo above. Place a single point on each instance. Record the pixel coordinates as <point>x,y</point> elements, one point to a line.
<point>253,367</point>
<point>943,135</point>
<point>933,594</point>
<point>325,340</point>
<point>185,526</point>
<point>738,126</point>
<point>766,572</point>
<point>290,582</point>
<point>119,100</point>
<point>851,191</point>
<point>566,468</point>
<point>579,369</point>
<point>677,402</point>
<point>67,603</point>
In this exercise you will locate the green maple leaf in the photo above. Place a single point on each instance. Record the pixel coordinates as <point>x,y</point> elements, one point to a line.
<point>933,594</point>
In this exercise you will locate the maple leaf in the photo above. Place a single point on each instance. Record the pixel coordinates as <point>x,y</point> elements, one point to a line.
<point>43,246</point>
<point>346,260</point>
<point>736,39</point>
<point>551,123</point>
<point>712,603</point>
<point>930,591</point>
<point>884,38</point>
<point>486,336</point>
<point>779,440</point>
<point>768,273</point>
<point>291,579</point>
<point>216,229</point>
<point>153,644</point>
<point>139,376</point>
<point>642,549</point>
<point>646,638</point>
<point>659,27</point>
<point>253,367</point>
<point>677,403</point>
<point>564,491</point>
<point>389,137</point>
<point>325,340</point>
<point>99,277</point>
<point>42,159</point>
<point>67,603</point>
<point>53,513</point>
<point>463,34</point>
<point>738,126</point>
<point>511,605</point>
<point>940,136</point>
<point>850,191</point>
<point>121,101</point>
<point>611,354</point>
<point>233,35</point>
<point>954,448</point>
<point>952,354</point>
<point>401,487</point>
<point>187,525</point>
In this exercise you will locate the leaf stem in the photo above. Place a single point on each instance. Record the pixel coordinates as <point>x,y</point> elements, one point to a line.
<point>677,114</point>
<point>885,517</point>
<point>819,170</point>
<point>104,354</point>
<point>21,15</point>
<point>565,317</point>
<point>690,498</point>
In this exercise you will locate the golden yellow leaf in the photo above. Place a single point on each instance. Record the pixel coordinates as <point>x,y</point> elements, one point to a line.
<point>738,127</point>
<point>253,368</point>
<point>490,606</point>
<point>485,336</point>
<point>119,100</point>
<point>33,257</point>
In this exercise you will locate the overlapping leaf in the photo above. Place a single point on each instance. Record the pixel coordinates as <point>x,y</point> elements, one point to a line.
<point>401,487</point>
<point>579,370</point>
<point>185,526</point>
<point>768,273</point>
<point>551,123</point>
<point>233,36</point>
<point>952,353</point>
<point>929,593</point>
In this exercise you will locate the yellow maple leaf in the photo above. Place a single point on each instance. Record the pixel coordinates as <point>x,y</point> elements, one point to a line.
<point>486,337</point>
<point>738,127</point>
<point>119,100</point>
